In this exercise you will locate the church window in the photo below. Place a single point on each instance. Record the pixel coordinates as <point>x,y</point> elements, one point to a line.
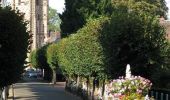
<point>38,17</point>
<point>37,2</point>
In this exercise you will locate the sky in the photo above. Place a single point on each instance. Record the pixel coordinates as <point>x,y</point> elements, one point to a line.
<point>56,4</point>
<point>168,5</point>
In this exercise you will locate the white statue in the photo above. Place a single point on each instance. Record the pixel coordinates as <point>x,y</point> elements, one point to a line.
<point>147,97</point>
<point>128,71</point>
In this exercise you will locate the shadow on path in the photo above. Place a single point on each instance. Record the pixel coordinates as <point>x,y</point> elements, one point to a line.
<point>38,90</point>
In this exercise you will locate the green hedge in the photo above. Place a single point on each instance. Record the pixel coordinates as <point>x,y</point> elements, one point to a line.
<point>14,40</point>
<point>81,53</point>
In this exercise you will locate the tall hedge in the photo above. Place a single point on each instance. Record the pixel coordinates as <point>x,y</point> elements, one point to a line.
<point>81,53</point>
<point>38,59</point>
<point>64,63</point>
<point>13,45</point>
<point>52,59</point>
<point>42,57</point>
<point>33,58</point>
<point>136,39</point>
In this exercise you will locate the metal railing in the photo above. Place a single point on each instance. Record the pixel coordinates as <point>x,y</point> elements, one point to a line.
<point>159,94</point>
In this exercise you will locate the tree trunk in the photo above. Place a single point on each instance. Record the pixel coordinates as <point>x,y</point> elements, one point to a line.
<point>43,73</point>
<point>67,81</point>
<point>103,87</point>
<point>87,82</point>
<point>78,81</point>
<point>54,76</point>
<point>5,93</point>
<point>12,91</point>
<point>93,89</point>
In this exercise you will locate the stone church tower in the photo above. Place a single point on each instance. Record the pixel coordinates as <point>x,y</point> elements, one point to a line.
<point>36,13</point>
<point>3,3</point>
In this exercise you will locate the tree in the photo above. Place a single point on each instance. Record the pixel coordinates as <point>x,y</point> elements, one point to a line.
<point>38,59</point>
<point>78,11</point>
<point>42,57</point>
<point>160,4</point>
<point>80,55</point>
<point>54,20</point>
<point>62,58</point>
<point>156,7</point>
<point>33,58</point>
<point>82,51</point>
<point>14,43</point>
<point>136,39</point>
<point>52,60</point>
<point>88,50</point>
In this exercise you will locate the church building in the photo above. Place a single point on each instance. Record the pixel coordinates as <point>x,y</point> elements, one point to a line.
<point>36,14</point>
<point>3,3</point>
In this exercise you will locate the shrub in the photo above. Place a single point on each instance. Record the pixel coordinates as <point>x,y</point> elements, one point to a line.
<point>14,40</point>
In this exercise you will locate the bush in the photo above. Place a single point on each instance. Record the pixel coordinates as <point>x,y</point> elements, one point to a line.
<point>81,52</point>
<point>33,58</point>
<point>38,59</point>
<point>52,59</point>
<point>14,40</point>
<point>135,39</point>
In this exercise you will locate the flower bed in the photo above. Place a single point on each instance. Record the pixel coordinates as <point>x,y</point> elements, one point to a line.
<point>132,88</point>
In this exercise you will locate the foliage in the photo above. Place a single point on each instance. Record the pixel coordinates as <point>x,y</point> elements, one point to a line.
<point>38,58</point>
<point>134,6</point>
<point>130,36</point>
<point>88,51</point>
<point>52,60</point>
<point>81,53</point>
<point>77,12</point>
<point>54,20</point>
<point>132,88</point>
<point>62,58</point>
<point>123,87</point>
<point>161,79</point>
<point>137,39</point>
<point>52,56</point>
<point>42,57</point>
<point>14,43</point>
<point>156,7</point>
<point>33,58</point>
<point>162,8</point>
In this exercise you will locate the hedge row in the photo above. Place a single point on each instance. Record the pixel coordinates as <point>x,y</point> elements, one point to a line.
<point>103,47</point>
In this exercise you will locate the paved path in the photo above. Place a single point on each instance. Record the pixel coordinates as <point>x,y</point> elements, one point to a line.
<point>40,91</point>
